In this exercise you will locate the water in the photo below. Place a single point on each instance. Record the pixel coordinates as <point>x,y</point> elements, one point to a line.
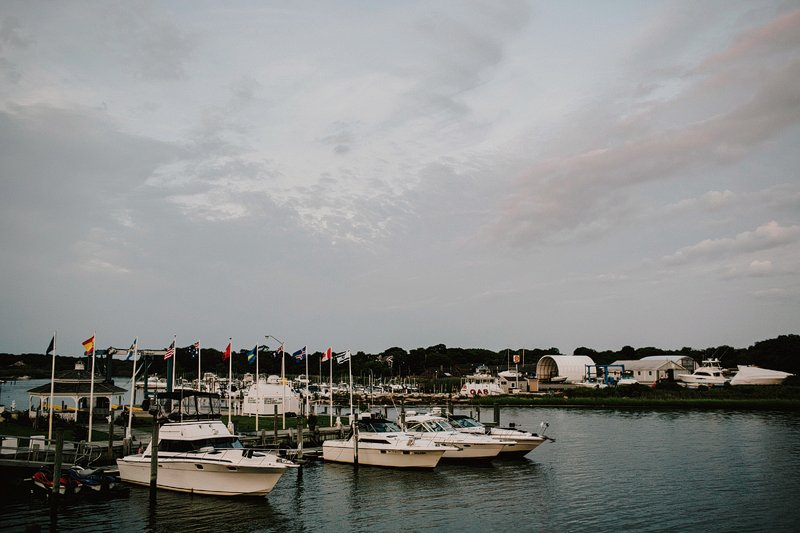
<point>609,470</point>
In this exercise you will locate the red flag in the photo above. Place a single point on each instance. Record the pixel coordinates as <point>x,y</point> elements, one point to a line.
<point>170,351</point>
<point>88,345</point>
<point>227,352</point>
<point>327,355</point>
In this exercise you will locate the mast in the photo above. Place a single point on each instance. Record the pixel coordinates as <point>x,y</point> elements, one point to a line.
<point>52,388</point>
<point>133,387</point>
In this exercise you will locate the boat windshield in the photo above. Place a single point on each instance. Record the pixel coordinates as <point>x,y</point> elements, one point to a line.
<point>465,422</point>
<point>432,426</point>
<point>169,445</point>
<point>378,426</point>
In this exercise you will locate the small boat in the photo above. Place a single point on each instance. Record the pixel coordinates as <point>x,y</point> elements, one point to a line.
<point>522,442</point>
<point>708,375</point>
<point>80,482</point>
<point>753,375</point>
<point>592,383</point>
<point>382,443</point>
<point>197,453</point>
<point>262,398</point>
<point>467,446</point>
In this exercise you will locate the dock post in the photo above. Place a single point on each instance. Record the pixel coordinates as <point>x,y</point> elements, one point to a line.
<point>478,413</point>
<point>154,460</point>
<point>300,421</point>
<point>275,423</point>
<point>355,441</point>
<point>111,434</point>
<point>497,414</point>
<point>58,460</point>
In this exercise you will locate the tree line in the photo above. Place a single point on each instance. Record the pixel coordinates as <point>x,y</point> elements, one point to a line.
<point>437,361</point>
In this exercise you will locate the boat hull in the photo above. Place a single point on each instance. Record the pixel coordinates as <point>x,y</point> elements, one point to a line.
<point>472,451</point>
<point>202,477</point>
<point>341,451</point>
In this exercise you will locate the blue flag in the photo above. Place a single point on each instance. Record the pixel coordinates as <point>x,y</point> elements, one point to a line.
<point>300,354</point>
<point>251,355</point>
<point>131,350</point>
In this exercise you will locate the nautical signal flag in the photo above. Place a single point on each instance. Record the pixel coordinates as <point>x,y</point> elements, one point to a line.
<point>170,351</point>
<point>51,346</point>
<point>251,355</point>
<point>227,352</point>
<point>326,355</point>
<point>194,349</point>
<point>300,354</point>
<point>88,346</point>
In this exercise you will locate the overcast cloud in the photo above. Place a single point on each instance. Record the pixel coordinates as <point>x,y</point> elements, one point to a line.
<point>375,174</point>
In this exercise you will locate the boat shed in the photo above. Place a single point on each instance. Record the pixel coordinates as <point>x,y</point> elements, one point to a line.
<point>571,367</point>
<point>649,371</point>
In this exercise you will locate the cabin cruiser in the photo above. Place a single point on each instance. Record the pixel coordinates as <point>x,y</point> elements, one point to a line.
<point>522,442</point>
<point>263,396</point>
<point>707,375</point>
<point>481,383</point>
<point>196,453</point>
<point>467,446</point>
<point>382,443</point>
<point>753,375</point>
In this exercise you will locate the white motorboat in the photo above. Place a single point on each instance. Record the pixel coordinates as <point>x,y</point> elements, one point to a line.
<point>263,396</point>
<point>467,446</point>
<point>197,454</point>
<point>707,375</point>
<point>522,443</point>
<point>382,443</point>
<point>481,383</point>
<point>753,375</point>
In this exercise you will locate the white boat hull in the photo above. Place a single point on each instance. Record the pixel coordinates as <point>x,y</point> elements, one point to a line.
<point>223,477</point>
<point>341,451</point>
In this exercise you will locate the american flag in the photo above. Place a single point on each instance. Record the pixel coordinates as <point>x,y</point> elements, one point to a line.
<point>194,349</point>
<point>170,351</point>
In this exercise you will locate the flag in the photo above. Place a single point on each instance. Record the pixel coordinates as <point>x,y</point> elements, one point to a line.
<point>51,346</point>
<point>343,357</point>
<point>279,350</point>
<point>300,354</point>
<point>227,352</point>
<point>251,355</point>
<point>326,355</point>
<point>194,349</point>
<point>88,346</point>
<point>170,351</point>
<point>131,350</point>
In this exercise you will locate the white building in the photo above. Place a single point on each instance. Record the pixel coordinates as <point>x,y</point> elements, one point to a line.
<point>648,371</point>
<point>563,368</point>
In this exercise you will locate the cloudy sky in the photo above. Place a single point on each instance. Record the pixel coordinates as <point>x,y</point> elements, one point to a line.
<point>373,174</point>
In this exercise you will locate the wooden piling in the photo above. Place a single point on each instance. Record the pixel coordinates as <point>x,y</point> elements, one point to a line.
<point>154,460</point>
<point>58,460</point>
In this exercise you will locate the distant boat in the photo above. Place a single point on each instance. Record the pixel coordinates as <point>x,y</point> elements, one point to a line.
<point>707,375</point>
<point>481,383</point>
<point>262,397</point>
<point>753,375</point>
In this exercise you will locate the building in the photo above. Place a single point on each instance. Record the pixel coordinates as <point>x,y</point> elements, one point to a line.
<point>562,368</point>
<point>647,371</point>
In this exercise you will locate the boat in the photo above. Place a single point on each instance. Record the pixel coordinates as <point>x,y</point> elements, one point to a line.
<point>262,398</point>
<point>467,446</point>
<point>709,374</point>
<point>753,375</point>
<point>592,383</point>
<point>382,443</point>
<point>522,442</point>
<point>198,454</point>
<point>79,482</point>
<point>480,383</point>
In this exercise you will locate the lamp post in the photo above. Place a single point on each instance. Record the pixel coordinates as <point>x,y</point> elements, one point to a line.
<point>283,376</point>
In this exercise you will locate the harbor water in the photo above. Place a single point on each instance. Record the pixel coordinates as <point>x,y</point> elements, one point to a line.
<point>609,470</point>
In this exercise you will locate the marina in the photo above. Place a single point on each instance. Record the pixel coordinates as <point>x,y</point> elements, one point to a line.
<point>638,459</point>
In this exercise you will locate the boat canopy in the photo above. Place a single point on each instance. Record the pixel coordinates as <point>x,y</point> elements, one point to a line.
<point>188,404</point>
<point>573,367</point>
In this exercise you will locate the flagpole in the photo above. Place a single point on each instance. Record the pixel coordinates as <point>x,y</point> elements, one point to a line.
<point>133,387</point>
<point>350,371</point>
<point>52,389</point>
<point>330,390</point>
<point>199,371</point>
<point>174,360</point>
<point>230,379</point>
<point>91,387</point>
<point>258,390</point>
<point>308,379</point>
<point>283,383</point>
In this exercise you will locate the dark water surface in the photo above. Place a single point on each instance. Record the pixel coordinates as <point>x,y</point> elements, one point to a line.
<point>609,470</point>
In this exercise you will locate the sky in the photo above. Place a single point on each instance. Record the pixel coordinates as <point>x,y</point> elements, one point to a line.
<point>365,175</point>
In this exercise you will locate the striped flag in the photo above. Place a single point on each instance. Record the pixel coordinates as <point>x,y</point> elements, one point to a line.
<point>170,351</point>
<point>343,357</point>
<point>88,345</point>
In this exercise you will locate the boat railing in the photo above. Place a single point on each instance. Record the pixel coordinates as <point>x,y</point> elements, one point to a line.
<point>39,449</point>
